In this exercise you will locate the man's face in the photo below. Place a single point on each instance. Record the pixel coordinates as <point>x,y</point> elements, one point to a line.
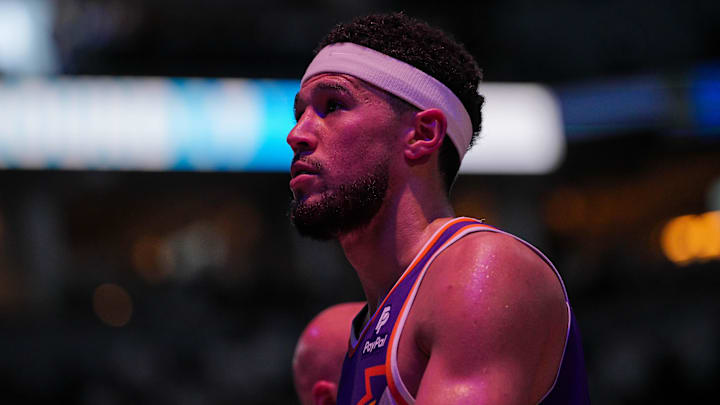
<point>343,143</point>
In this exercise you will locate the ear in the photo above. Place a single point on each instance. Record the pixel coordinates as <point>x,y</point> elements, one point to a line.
<point>324,393</point>
<point>427,135</point>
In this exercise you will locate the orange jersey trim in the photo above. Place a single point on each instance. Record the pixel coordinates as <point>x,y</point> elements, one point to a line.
<point>370,372</point>
<point>394,391</point>
<point>407,271</point>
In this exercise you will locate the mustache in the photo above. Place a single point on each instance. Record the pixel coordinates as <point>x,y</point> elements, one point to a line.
<point>307,160</point>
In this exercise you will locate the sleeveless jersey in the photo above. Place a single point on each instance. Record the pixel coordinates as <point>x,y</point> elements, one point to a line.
<point>370,373</point>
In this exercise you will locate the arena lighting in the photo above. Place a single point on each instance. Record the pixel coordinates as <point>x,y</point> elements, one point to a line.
<point>118,123</point>
<point>26,43</point>
<point>522,131</point>
<point>599,108</point>
<point>145,123</point>
<point>691,238</point>
<point>705,96</point>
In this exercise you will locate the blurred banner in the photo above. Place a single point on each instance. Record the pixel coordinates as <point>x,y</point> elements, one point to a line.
<point>145,124</point>
<point>225,124</point>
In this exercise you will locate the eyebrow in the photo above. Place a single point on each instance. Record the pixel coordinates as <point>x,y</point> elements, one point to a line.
<point>333,86</point>
<point>323,86</point>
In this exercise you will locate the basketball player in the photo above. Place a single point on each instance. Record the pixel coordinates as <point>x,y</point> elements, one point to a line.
<point>457,312</point>
<point>319,354</point>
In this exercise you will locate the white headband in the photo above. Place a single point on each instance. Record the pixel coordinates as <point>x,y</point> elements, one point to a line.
<point>396,77</point>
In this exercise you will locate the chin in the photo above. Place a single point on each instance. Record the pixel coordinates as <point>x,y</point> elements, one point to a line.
<point>345,208</point>
<point>310,219</point>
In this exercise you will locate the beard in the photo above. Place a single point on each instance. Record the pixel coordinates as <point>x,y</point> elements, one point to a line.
<point>345,208</point>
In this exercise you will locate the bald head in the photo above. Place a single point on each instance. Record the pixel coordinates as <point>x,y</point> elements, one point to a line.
<point>320,352</point>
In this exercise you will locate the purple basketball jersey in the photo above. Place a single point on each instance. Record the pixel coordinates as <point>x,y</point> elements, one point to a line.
<point>370,375</point>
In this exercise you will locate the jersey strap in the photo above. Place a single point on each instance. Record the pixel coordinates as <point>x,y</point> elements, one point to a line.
<point>462,227</point>
<point>365,375</point>
<point>570,384</point>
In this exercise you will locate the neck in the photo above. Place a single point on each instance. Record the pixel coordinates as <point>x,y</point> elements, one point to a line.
<point>381,251</point>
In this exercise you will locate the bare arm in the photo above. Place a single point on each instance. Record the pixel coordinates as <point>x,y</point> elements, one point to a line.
<point>499,325</point>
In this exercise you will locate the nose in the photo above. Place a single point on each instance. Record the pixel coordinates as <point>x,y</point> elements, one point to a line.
<point>302,137</point>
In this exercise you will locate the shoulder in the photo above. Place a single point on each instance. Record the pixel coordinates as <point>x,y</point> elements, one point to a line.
<point>490,290</point>
<point>490,305</point>
<point>488,264</point>
<point>491,266</point>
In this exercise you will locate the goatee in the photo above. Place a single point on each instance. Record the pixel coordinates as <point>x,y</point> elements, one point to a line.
<point>346,208</point>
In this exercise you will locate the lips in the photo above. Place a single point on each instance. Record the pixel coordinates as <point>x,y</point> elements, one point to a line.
<point>299,168</point>
<point>303,175</point>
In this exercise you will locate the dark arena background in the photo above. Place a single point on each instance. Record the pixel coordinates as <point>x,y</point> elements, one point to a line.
<point>145,252</point>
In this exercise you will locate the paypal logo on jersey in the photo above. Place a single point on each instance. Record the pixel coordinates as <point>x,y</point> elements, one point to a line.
<point>384,316</point>
<point>378,343</point>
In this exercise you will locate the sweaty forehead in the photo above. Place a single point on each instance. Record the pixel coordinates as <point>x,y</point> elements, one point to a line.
<point>332,79</point>
<point>342,83</point>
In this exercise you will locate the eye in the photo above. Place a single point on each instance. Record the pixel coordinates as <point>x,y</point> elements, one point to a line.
<point>332,105</point>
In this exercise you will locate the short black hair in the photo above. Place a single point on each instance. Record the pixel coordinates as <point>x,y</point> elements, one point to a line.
<point>429,49</point>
